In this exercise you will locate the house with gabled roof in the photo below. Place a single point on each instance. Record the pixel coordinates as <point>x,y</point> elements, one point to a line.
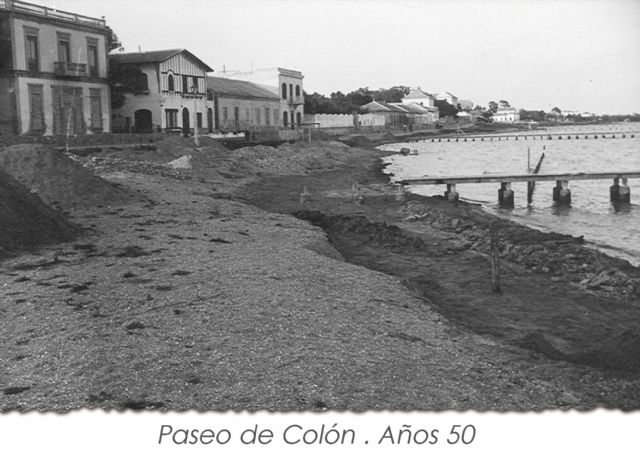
<point>417,96</point>
<point>243,106</point>
<point>163,90</point>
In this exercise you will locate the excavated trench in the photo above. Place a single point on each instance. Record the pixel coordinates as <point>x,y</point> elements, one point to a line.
<point>553,320</point>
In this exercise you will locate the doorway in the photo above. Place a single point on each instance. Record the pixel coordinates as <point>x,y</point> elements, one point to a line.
<point>186,129</point>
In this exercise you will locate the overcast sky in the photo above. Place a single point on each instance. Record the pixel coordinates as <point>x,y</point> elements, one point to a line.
<point>579,55</point>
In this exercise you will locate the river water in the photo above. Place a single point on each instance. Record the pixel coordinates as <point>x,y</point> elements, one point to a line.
<point>617,232</point>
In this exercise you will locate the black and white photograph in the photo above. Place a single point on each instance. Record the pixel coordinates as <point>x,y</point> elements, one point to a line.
<point>318,207</point>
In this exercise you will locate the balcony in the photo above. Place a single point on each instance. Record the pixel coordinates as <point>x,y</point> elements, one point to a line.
<point>70,69</point>
<point>295,100</point>
<point>30,8</point>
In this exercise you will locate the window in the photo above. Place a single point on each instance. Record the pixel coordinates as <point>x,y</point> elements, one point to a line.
<point>92,56</point>
<point>297,90</point>
<point>172,118</point>
<point>291,91</point>
<point>36,111</point>
<point>276,117</point>
<point>195,85</point>
<point>247,113</point>
<point>64,47</point>
<point>267,116</point>
<point>32,52</point>
<point>170,84</point>
<point>258,119</point>
<point>95,101</point>
<point>68,115</point>
<point>199,119</point>
<point>185,84</point>
<point>225,114</point>
<point>284,91</point>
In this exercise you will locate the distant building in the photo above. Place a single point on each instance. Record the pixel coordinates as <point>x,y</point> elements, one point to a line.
<point>53,71</point>
<point>466,105</point>
<point>417,96</point>
<point>506,115</point>
<point>400,114</point>
<point>285,83</point>
<point>162,90</point>
<point>243,106</point>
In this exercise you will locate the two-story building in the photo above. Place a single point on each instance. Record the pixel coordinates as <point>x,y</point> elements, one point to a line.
<point>53,71</point>
<point>285,83</point>
<point>162,90</point>
<point>243,106</point>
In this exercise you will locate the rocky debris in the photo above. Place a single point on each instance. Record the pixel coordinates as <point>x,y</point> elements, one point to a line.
<point>560,256</point>
<point>609,277</point>
<point>184,162</point>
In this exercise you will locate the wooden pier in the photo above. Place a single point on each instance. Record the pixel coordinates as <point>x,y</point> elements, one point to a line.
<point>536,135</point>
<point>619,191</point>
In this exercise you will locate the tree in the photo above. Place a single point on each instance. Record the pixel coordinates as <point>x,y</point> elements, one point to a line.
<point>112,40</point>
<point>493,106</point>
<point>556,110</point>
<point>446,109</point>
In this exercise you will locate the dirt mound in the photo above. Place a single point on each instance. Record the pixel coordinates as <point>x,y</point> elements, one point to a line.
<point>537,342</point>
<point>620,352</point>
<point>57,179</point>
<point>25,221</point>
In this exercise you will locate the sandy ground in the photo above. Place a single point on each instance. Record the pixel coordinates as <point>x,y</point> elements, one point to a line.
<point>208,294</point>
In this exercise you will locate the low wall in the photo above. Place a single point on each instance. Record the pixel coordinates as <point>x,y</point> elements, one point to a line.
<point>345,120</point>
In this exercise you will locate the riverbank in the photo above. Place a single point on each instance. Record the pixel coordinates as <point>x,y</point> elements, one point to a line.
<point>219,289</point>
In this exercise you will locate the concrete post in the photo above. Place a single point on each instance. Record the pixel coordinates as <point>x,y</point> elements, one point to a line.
<point>564,195</point>
<point>451,194</point>
<point>556,190</point>
<point>506,195</point>
<point>620,193</point>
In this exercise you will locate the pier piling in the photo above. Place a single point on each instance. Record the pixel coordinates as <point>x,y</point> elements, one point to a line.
<point>620,193</point>
<point>506,195</point>
<point>451,194</point>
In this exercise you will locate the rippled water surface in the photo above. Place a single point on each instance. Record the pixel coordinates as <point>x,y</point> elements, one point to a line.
<point>591,214</point>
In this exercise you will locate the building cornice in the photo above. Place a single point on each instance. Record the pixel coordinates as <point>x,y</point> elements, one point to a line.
<point>56,22</point>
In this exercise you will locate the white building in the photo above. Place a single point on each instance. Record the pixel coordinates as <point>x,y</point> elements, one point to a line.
<point>506,115</point>
<point>161,90</point>
<point>285,83</point>
<point>417,96</point>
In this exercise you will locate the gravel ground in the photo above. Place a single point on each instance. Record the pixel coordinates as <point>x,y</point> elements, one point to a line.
<point>189,298</point>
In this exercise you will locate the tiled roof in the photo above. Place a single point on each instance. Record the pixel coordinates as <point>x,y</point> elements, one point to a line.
<point>235,88</point>
<point>417,93</point>
<point>153,57</point>
<point>414,108</point>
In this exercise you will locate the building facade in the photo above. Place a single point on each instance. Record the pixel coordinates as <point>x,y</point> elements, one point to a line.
<point>285,83</point>
<point>243,106</point>
<point>506,115</point>
<point>53,71</point>
<point>161,90</point>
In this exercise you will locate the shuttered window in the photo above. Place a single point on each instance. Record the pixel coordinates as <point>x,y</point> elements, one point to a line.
<point>92,56</point>
<point>95,99</point>
<point>36,109</point>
